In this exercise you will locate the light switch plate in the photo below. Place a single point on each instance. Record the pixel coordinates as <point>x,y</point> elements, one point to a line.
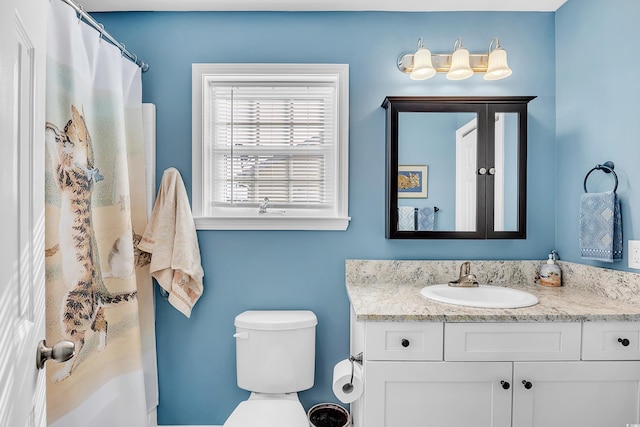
<point>634,254</point>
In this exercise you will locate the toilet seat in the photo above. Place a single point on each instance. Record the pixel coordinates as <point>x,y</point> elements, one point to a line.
<point>268,413</point>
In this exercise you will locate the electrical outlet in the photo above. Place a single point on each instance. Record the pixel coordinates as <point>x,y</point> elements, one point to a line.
<point>634,254</point>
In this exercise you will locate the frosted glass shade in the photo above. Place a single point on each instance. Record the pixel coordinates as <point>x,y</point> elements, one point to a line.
<point>460,68</point>
<point>422,66</point>
<point>497,67</point>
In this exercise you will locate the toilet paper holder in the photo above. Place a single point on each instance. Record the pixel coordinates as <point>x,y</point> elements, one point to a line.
<point>348,387</point>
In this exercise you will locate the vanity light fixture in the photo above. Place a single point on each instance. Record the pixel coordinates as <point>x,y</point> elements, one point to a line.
<point>497,67</point>
<point>422,66</point>
<point>458,65</point>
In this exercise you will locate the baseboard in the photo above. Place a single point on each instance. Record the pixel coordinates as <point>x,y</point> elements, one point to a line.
<point>153,422</point>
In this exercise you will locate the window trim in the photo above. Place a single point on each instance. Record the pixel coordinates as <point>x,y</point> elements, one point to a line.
<point>249,219</point>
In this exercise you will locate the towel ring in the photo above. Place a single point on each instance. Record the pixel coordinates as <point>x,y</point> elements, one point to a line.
<point>607,167</point>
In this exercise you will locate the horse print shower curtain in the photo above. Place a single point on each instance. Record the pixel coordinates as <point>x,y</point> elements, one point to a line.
<point>98,286</point>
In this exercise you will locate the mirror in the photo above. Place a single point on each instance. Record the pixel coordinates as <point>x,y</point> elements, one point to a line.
<point>456,167</point>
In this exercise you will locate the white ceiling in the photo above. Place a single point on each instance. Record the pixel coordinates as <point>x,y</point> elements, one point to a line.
<point>323,5</point>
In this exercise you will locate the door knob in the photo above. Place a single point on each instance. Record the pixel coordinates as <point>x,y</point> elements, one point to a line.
<point>61,352</point>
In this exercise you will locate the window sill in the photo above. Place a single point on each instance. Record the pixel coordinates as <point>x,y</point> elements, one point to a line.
<point>272,223</point>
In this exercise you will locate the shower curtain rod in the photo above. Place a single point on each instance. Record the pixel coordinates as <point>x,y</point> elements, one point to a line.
<point>100,28</point>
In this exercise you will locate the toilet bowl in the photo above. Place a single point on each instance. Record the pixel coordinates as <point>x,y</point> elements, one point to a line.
<point>268,412</point>
<point>275,355</point>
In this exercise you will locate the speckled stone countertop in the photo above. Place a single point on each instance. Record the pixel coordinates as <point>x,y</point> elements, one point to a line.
<point>390,291</point>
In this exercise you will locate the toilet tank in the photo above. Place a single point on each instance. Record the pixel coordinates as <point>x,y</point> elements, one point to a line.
<point>275,350</point>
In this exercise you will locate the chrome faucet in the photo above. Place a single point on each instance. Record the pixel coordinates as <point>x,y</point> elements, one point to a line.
<point>466,279</point>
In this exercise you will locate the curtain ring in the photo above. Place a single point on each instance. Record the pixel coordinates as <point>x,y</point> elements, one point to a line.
<point>100,32</point>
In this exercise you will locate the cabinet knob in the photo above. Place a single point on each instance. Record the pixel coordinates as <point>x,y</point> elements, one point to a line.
<point>405,342</point>
<point>623,341</point>
<point>527,384</point>
<point>482,171</point>
<point>505,385</point>
<point>492,171</point>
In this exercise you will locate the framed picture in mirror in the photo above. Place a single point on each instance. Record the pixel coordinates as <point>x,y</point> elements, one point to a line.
<point>412,181</point>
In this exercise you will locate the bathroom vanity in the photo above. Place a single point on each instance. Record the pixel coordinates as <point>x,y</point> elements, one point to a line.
<point>571,360</point>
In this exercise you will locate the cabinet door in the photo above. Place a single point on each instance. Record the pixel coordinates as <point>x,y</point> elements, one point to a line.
<point>585,394</point>
<point>438,394</point>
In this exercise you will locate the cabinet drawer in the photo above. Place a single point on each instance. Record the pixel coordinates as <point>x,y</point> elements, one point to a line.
<point>403,341</point>
<point>611,341</point>
<point>512,341</point>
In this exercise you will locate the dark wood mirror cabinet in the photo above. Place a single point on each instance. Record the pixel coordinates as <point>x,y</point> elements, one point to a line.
<point>456,167</point>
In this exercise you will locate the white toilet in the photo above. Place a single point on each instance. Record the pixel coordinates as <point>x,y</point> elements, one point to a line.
<point>275,354</point>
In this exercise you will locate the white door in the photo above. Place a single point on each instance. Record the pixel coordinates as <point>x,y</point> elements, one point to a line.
<point>447,394</point>
<point>466,176</point>
<point>22,293</point>
<point>585,394</point>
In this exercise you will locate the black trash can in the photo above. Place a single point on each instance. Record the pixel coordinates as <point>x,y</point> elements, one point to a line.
<point>328,415</point>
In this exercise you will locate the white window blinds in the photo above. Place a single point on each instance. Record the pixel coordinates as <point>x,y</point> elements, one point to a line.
<point>274,131</point>
<point>274,140</point>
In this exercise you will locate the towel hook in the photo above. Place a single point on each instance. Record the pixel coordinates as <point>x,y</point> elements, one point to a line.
<point>606,167</point>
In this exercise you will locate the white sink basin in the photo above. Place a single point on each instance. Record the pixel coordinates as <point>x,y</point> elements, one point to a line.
<point>484,296</point>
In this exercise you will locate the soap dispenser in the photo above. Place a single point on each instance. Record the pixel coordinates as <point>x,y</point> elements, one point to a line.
<point>550,273</point>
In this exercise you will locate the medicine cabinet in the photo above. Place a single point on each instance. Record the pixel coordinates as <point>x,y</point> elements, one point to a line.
<point>456,167</point>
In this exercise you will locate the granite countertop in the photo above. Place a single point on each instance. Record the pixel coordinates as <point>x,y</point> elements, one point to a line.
<point>402,302</point>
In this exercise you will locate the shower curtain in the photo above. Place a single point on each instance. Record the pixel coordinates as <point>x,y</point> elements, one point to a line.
<point>99,291</point>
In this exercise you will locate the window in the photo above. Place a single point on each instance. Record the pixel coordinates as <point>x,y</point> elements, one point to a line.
<point>274,133</point>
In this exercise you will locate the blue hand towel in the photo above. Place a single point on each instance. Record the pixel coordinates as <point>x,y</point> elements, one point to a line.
<point>600,227</point>
<point>406,218</point>
<point>426,218</point>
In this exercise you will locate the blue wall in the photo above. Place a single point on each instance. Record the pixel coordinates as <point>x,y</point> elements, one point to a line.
<point>297,269</point>
<point>598,91</point>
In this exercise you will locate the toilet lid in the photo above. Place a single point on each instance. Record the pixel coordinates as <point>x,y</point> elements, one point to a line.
<point>268,413</point>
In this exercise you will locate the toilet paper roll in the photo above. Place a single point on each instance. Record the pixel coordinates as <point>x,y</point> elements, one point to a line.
<point>342,379</point>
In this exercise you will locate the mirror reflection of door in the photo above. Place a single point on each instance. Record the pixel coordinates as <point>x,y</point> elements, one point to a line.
<point>504,171</point>
<point>505,190</point>
<point>466,169</point>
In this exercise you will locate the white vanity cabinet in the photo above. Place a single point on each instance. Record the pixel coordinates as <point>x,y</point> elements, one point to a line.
<point>556,374</point>
<point>447,394</point>
<point>559,394</point>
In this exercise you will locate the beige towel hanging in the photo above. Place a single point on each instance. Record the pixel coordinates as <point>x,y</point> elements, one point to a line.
<point>171,239</point>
